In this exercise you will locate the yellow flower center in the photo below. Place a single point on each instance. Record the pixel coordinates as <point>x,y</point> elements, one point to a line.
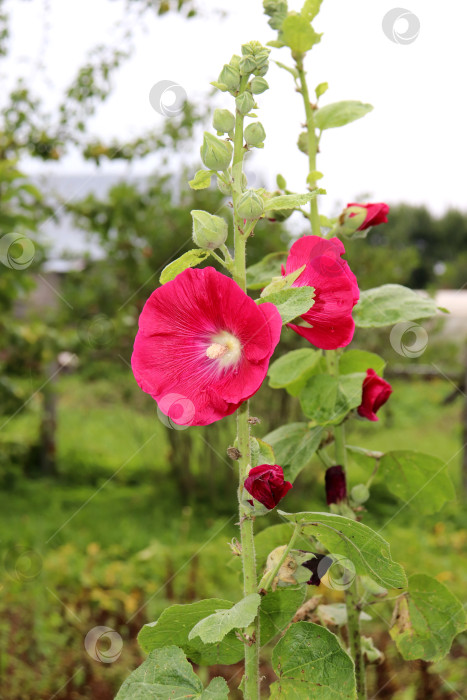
<point>225,348</point>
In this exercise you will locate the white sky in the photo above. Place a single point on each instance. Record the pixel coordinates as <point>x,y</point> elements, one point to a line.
<point>411,148</point>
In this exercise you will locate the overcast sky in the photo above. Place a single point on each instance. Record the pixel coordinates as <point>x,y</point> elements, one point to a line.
<point>411,148</point>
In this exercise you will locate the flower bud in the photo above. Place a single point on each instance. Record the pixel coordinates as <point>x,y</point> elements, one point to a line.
<point>223,121</point>
<point>235,61</point>
<point>255,134</point>
<point>245,102</point>
<point>230,76</point>
<point>258,85</point>
<point>336,488</point>
<point>250,205</point>
<point>224,187</point>
<point>359,494</point>
<point>360,217</point>
<point>215,153</point>
<point>302,142</point>
<point>261,71</point>
<point>209,231</point>
<point>247,65</point>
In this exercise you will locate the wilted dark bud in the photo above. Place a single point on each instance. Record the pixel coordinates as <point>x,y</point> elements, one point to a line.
<point>319,565</point>
<point>255,134</point>
<point>259,85</point>
<point>250,205</point>
<point>215,154</point>
<point>223,121</point>
<point>245,102</point>
<point>336,488</point>
<point>209,231</point>
<point>230,76</point>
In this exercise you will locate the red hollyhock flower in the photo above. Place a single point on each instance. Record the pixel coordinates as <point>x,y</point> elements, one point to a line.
<point>266,484</point>
<point>203,346</point>
<point>335,484</point>
<point>336,291</point>
<point>375,393</point>
<point>376,213</point>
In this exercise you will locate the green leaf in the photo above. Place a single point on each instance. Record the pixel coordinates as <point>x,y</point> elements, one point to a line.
<point>290,201</point>
<point>364,547</point>
<point>277,610</point>
<point>201,180</point>
<point>340,113</point>
<point>310,9</point>
<point>165,675</point>
<point>292,71</point>
<point>427,620</point>
<point>418,479</point>
<point>189,259</point>
<point>292,302</point>
<point>311,663</point>
<point>214,627</point>
<point>327,400</point>
<point>176,622</point>
<point>293,369</point>
<point>277,284</point>
<point>298,34</point>
<point>321,89</point>
<point>261,453</point>
<point>389,304</point>
<point>294,445</point>
<point>353,361</point>
<point>259,275</point>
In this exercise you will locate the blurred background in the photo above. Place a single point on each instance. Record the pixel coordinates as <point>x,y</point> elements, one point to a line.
<point>107,514</point>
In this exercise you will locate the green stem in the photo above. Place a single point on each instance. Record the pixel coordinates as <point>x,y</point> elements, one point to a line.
<point>353,627</point>
<point>266,582</point>
<point>312,147</point>
<point>252,633</point>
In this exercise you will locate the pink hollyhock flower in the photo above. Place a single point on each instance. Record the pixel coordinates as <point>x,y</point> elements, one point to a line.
<point>376,213</point>
<point>335,484</point>
<point>266,484</point>
<point>336,291</point>
<point>375,393</point>
<point>203,346</point>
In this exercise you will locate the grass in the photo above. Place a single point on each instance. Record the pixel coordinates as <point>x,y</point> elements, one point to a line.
<point>113,546</point>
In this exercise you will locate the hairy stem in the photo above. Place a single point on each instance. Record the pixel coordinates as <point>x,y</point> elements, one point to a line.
<point>312,147</point>
<point>252,633</point>
<point>355,643</point>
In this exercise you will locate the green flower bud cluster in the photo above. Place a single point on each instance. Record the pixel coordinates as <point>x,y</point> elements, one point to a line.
<point>250,205</point>
<point>215,153</point>
<point>255,59</point>
<point>277,11</point>
<point>209,231</point>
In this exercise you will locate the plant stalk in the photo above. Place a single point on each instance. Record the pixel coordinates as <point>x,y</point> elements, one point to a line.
<point>312,147</point>
<point>252,633</point>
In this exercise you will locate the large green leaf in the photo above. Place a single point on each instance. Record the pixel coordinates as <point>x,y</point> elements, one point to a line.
<point>389,304</point>
<point>260,275</point>
<point>418,479</point>
<point>310,9</point>
<point>189,259</point>
<point>175,624</point>
<point>311,663</point>
<point>215,627</point>
<point>427,620</point>
<point>167,675</point>
<point>294,445</point>
<point>353,361</point>
<point>291,303</point>
<point>293,369</point>
<point>365,548</point>
<point>277,610</point>
<point>298,34</point>
<point>340,113</point>
<point>327,400</point>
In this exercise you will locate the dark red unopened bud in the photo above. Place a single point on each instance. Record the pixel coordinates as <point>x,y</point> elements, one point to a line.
<point>375,393</point>
<point>266,484</point>
<point>336,488</point>
<point>318,565</point>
